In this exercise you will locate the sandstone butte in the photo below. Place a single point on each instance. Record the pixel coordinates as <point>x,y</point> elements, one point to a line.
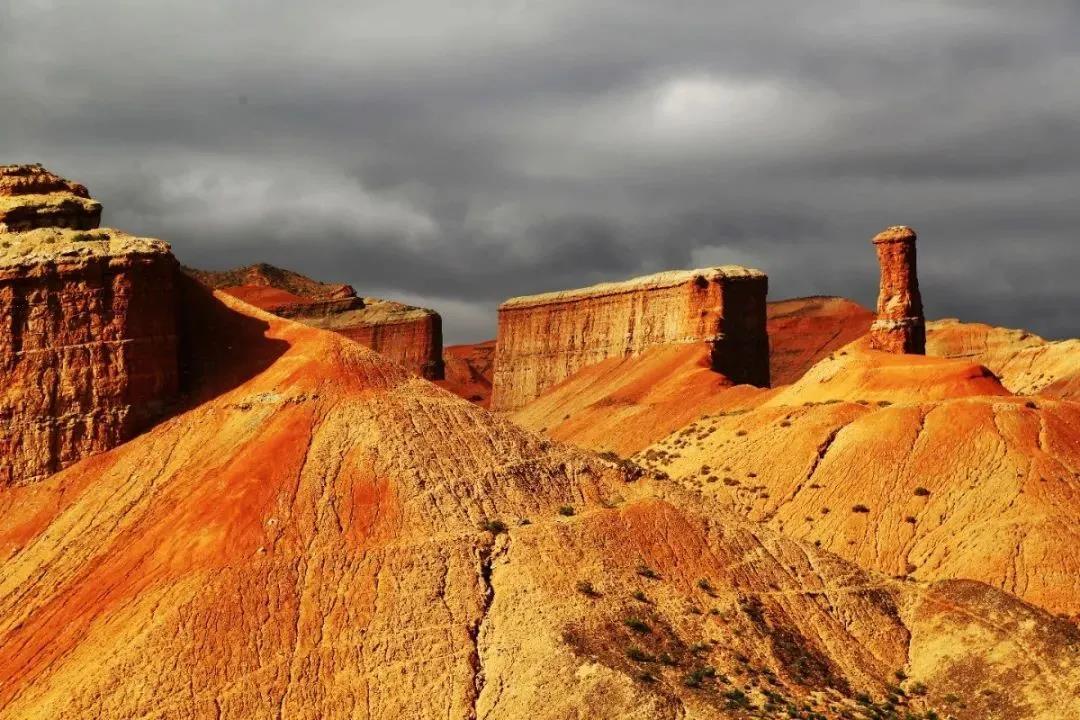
<point>88,345</point>
<point>544,339</point>
<point>324,535</point>
<point>411,336</point>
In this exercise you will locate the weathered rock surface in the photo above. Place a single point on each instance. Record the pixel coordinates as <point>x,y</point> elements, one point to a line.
<point>803,331</point>
<point>900,326</point>
<point>931,470</point>
<point>88,344</point>
<point>32,197</point>
<point>469,369</point>
<point>1025,363</point>
<point>544,339</point>
<point>305,544</point>
<point>411,336</point>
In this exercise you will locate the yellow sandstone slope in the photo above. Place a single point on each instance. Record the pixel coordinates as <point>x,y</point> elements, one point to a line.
<point>323,535</point>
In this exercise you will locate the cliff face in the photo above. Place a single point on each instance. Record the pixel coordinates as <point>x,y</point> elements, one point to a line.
<point>544,339</point>
<point>410,336</point>
<point>88,347</point>
<point>333,538</point>
<point>32,197</point>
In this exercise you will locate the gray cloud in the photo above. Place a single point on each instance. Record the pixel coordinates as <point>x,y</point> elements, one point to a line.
<point>455,154</point>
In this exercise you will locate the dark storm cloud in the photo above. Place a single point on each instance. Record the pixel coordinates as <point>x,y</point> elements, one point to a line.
<point>454,154</point>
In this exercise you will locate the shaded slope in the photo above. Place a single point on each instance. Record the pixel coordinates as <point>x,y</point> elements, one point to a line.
<point>305,544</point>
<point>803,331</point>
<point>468,371</point>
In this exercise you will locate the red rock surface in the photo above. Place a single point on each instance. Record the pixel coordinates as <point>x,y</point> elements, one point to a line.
<point>32,197</point>
<point>469,369</point>
<point>544,339</point>
<point>410,336</point>
<point>88,345</point>
<point>803,331</point>
<point>900,326</point>
<point>309,542</point>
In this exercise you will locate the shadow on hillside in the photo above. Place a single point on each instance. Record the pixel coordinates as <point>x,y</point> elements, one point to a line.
<point>220,348</point>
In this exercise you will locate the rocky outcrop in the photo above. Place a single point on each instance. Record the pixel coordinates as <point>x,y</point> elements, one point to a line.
<point>333,538</point>
<point>544,339</point>
<point>410,336</point>
<point>803,331</point>
<point>32,197</point>
<point>88,345</point>
<point>900,326</point>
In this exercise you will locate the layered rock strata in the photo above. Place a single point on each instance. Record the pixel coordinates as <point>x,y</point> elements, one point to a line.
<point>410,336</point>
<point>900,326</point>
<point>544,339</point>
<point>88,345</point>
<point>32,197</point>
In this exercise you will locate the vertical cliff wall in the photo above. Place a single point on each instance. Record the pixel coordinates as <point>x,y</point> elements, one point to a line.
<point>410,336</point>
<point>88,347</point>
<point>543,339</point>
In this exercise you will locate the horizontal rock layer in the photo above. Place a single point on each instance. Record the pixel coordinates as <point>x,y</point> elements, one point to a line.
<point>88,345</point>
<point>410,336</point>
<point>544,339</point>
<point>32,197</point>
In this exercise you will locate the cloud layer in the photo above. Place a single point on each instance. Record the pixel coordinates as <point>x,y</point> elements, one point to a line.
<point>456,154</point>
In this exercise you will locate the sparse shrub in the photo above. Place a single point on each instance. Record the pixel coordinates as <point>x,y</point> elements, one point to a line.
<point>751,474</point>
<point>741,433</point>
<point>918,688</point>
<point>910,520</point>
<point>639,626</point>
<point>586,588</point>
<point>666,659</point>
<point>730,481</point>
<point>647,572</point>
<point>1031,405</point>
<point>860,508</point>
<point>646,677</point>
<point>922,492</point>
<point>705,585</point>
<point>495,527</point>
<point>785,423</point>
<point>566,511</point>
<point>639,655</point>
<point>641,597</point>
<point>884,403</point>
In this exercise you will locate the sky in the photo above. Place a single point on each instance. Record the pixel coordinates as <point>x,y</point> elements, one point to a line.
<point>454,154</point>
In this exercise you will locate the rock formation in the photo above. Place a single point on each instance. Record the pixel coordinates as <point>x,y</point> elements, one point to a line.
<point>331,537</point>
<point>1026,363</point>
<point>32,197</point>
<point>803,331</point>
<point>469,369</point>
<point>408,335</point>
<point>88,342</point>
<point>900,326</point>
<point>544,339</point>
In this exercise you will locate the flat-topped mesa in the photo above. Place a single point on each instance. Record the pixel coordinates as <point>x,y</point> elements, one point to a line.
<point>88,345</point>
<point>900,326</point>
<point>410,336</point>
<point>544,339</point>
<point>32,197</point>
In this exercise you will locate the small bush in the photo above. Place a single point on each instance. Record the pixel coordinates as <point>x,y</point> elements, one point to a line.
<point>639,655</point>
<point>586,588</point>
<point>641,597</point>
<point>730,481</point>
<point>910,519</point>
<point>922,492</point>
<point>566,511</point>
<point>884,403</point>
<point>705,585</point>
<point>639,626</point>
<point>495,527</point>
<point>647,572</point>
<point>1031,405</point>
<point>860,509</point>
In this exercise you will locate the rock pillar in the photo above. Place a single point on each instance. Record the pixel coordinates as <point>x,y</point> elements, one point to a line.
<point>900,326</point>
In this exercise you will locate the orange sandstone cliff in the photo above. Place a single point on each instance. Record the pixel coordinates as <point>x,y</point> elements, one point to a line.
<point>88,342</point>
<point>408,335</point>
<point>544,339</point>
<point>900,326</point>
<point>32,197</point>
